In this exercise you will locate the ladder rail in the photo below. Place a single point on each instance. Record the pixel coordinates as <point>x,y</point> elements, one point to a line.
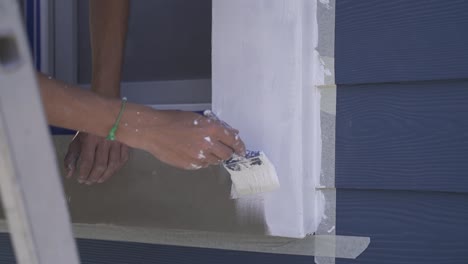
<point>30,185</point>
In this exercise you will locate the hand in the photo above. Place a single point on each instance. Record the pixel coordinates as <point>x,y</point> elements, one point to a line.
<point>187,140</point>
<point>97,158</point>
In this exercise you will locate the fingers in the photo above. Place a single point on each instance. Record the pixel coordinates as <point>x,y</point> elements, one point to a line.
<point>97,159</point>
<point>124,153</point>
<point>238,145</point>
<point>101,160</point>
<point>196,165</point>
<point>211,153</point>
<point>222,143</point>
<point>109,157</point>
<point>86,161</point>
<point>71,158</point>
<point>213,160</point>
<point>118,156</point>
<point>230,138</point>
<point>206,159</point>
<point>221,151</point>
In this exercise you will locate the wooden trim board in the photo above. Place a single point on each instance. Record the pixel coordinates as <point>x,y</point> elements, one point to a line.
<point>265,73</point>
<point>321,246</point>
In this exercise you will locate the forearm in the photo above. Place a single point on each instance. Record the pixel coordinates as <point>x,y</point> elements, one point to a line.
<point>182,139</point>
<point>77,109</point>
<point>108,29</point>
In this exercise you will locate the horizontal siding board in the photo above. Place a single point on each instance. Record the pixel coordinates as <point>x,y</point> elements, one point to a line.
<point>403,136</point>
<point>400,40</point>
<point>113,252</point>
<point>6,249</point>
<point>405,226</point>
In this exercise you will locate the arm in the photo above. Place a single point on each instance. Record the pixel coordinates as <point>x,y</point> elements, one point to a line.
<point>96,158</point>
<point>182,139</point>
<point>74,108</point>
<point>108,28</point>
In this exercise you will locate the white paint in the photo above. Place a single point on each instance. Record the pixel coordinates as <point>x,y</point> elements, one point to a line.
<point>195,166</point>
<point>201,155</point>
<point>264,77</point>
<point>208,139</point>
<point>326,3</point>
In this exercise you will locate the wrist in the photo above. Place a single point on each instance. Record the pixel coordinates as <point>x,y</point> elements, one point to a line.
<point>136,124</point>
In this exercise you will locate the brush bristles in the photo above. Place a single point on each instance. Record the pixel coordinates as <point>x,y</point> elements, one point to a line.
<point>254,179</point>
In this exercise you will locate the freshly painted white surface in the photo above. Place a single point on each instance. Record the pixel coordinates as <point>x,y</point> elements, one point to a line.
<point>263,85</point>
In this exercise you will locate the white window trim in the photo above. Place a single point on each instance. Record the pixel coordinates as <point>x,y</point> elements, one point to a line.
<point>265,79</point>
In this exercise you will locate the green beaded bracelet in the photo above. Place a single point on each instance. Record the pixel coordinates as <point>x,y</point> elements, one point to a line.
<point>111,135</point>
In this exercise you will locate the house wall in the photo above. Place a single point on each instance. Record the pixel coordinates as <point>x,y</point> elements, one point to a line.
<point>401,146</point>
<point>402,129</point>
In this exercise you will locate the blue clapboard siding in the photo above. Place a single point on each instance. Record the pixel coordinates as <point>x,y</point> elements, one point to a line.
<point>406,136</point>
<point>402,129</point>
<point>6,250</point>
<point>400,40</point>
<point>406,226</point>
<point>109,252</point>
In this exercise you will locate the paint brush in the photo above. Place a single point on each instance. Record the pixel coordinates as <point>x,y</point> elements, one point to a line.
<point>250,174</point>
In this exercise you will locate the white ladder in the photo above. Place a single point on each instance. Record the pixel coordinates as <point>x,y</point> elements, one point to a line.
<point>30,185</point>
